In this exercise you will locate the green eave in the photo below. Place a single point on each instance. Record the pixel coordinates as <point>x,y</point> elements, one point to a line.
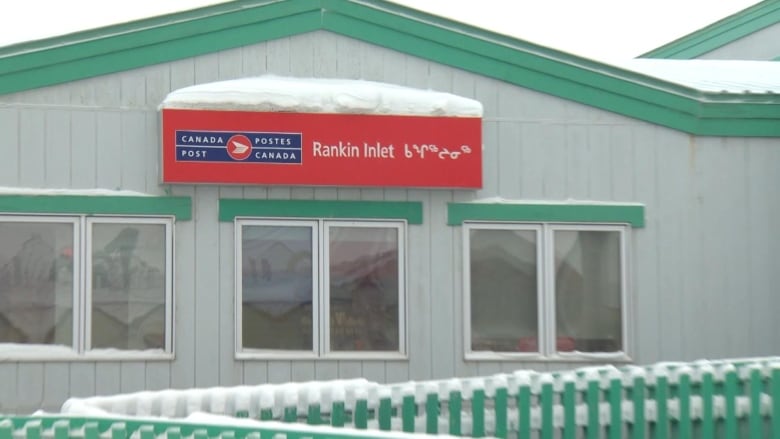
<point>179,207</point>
<point>231,208</point>
<point>238,23</point>
<point>720,33</point>
<point>633,214</point>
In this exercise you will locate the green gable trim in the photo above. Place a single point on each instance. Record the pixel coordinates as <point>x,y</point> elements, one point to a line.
<point>234,24</point>
<point>180,207</point>
<point>633,214</point>
<point>411,211</point>
<point>720,33</point>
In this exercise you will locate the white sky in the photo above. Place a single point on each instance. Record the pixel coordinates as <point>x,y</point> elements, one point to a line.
<point>599,29</point>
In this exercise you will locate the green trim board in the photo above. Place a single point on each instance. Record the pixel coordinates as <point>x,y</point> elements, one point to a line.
<point>228,25</point>
<point>633,214</point>
<point>230,208</point>
<point>179,207</point>
<point>720,33</point>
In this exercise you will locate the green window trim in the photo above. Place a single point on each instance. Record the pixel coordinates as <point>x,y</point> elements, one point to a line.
<point>633,214</point>
<point>411,211</point>
<point>179,207</point>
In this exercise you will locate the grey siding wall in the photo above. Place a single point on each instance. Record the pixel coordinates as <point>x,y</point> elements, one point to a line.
<point>703,271</point>
<point>762,45</point>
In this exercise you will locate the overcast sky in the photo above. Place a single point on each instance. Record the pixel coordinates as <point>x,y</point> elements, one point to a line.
<point>599,29</point>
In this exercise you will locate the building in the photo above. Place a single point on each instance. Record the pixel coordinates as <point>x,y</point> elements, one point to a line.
<point>618,216</point>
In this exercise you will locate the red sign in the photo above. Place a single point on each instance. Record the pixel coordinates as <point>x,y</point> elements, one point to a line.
<point>310,149</point>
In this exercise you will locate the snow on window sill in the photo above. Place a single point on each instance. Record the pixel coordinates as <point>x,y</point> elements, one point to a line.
<point>561,357</point>
<point>12,352</point>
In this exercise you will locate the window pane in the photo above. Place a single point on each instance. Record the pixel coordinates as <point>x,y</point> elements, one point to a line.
<point>504,298</point>
<point>587,291</point>
<point>276,282</point>
<point>36,283</point>
<point>364,289</point>
<point>128,286</point>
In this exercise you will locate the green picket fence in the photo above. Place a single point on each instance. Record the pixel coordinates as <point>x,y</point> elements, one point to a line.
<point>724,399</point>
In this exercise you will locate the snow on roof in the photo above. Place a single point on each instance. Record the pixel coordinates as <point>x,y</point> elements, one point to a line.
<point>316,95</point>
<point>718,76</point>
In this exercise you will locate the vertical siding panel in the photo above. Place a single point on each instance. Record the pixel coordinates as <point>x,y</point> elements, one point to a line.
<point>350,369</point>
<point>206,287</point>
<point>531,169</point>
<point>773,278</point>
<point>8,387</point>
<point>109,143</point>
<point>326,370</point>
<point>158,82</point>
<point>599,172</point>
<point>302,371</point>
<point>29,396</point>
<point>132,85</point>
<point>324,56</point>
<point>255,372</point>
<point>183,368</point>
<point>762,173</point>
<point>347,64</point>
<point>371,66</point>
<point>132,376</point>
<point>443,347</point>
<point>107,378</point>
<point>302,55</point>
<point>83,139</point>
<point>253,60</point>
<point>420,290</point>
<point>56,386</point>
<point>374,371</point>
<point>672,186</point>
<point>278,56</point>
<point>577,161</point>
<point>552,145</point>
<point>182,73</point>
<point>279,371</point>
<point>510,160</point>
<point>152,149</point>
<point>82,379</point>
<point>230,371</point>
<point>101,91</point>
<point>622,163</point>
<point>133,150</point>
<point>32,157</point>
<point>645,248</point>
<point>416,71</point>
<point>394,67</point>
<point>10,125</point>
<point>57,149</point>
<point>206,68</point>
<point>158,375</point>
<point>230,64</point>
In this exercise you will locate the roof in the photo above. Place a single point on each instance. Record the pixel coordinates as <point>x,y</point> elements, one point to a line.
<point>720,33</point>
<point>233,24</point>
<point>716,76</point>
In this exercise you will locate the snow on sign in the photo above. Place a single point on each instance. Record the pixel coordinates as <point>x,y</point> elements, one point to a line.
<point>284,131</point>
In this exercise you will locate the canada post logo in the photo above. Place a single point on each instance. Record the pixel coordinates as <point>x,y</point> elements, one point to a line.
<point>244,146</point>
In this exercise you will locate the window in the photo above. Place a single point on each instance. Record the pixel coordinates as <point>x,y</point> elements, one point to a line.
<point>544,289</point>
<point>73,285</point>
<point>320,288</point>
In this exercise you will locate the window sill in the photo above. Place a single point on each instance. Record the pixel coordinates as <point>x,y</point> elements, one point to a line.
<point>343,356</point>
<point>568,357</point>
<point>58,353</point>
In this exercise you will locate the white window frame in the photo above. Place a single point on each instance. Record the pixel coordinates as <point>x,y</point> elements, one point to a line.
<point>320,289</point>
<point>546,291</point>
<point>82,294</point>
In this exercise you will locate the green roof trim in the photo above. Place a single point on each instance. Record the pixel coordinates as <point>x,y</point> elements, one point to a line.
<point>633,214</point>
<point>179,207</point>
<point>720,33</point>
<point>230,208</point>
<point>234,24</point>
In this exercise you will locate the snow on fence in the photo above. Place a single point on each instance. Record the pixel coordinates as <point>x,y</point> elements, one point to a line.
<point>729,398</point>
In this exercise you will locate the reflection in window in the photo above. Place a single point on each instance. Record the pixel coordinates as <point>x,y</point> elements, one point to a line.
<point>504,298</point>
<point>128,285</point>
<point>587,290</point>
<point>276,283</point>
<point>36,282</point>
<point>363,274</point>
